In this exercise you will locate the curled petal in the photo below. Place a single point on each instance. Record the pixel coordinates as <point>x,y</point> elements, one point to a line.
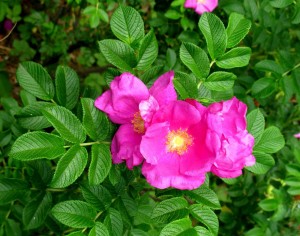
<point>126,146</point>
<point>163,89</point>
<point>227,117</point>
<point>147,109</point>
<point>121,101</point>
<point>234,154</point>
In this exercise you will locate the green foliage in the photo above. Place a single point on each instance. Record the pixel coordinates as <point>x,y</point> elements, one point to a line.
<point>56,173</point>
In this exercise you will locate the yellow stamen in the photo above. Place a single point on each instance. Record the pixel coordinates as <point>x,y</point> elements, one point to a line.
<point>201,1</point>
<point>178,141</point>
<point>138,123</point>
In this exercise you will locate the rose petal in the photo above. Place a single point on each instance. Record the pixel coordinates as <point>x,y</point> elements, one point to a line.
<point>122,100</point>
<point>163,89</point>
<point>126,146</point>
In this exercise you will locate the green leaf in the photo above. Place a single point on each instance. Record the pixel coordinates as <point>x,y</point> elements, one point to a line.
<point>67,86</point>
<point>99,230</point>
<point>32,118</point>
<point>69,167</point>
<point>171,58</point>
<point>238,27</point>
<point>12,228</point>
<point>271,141</point>
<point>256,124</point>
<point>264,162</point>
<point>40,172</point>
<point>202,231</point>
<point>215,35</point>
<point>293,169</point>
<point>281,3</point>
<point>65,123</point>
<point>100,164</point>
<point>12,189</point>
<point>204,195</point>
<point>269,66</point>
<point>236,57</point>
<point>127,25</point>
<point>195,59</point>
<point>147,52</point>
<point>170,209</point>
<point>35,80</point>
<point>118,53</point>
<point>75,214</point>
<point>220,81</point>
<point>27,98</point>
<point>37,145</point>
<point>176,227</point>
<point>113,222</point>
<point>98,196</point>
<point>293,181</point>
<point>185,85</point>
<point>269,204</point>
<point>173,14</point>
<point>263,87</point>
<point>206,216</point>
<point>151,74</point>
<point>95,122</point>
<point>36,211</point>
<point>294,190</point>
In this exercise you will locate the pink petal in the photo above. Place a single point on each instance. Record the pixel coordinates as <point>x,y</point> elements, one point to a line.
<point>153,144</point>
<point>227,116</point>
<point>147,109</point>
<point>125,146</point>
<point>161,177</point>
<point>121,101</point>
<point>200,157</point>
<point>297,135</point>
<point>234,154</point>
<point>176,113</point>
<point>206,6</point>
<point>226,173</point>
<point>163,89</point>
<point>190,4</point>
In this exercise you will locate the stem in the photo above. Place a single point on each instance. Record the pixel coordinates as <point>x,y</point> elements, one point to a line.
<point>295,67</point>
<point>53,101</point>
<point>50,189</point>
<point>212,62</point>
<point>8,33</point>
<point>87,144</point>
<point>99,213</point>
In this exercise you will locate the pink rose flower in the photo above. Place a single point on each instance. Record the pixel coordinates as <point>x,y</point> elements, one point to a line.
<point>234,147</point>
<point>176,147</point>
<point>201,6</point>
<point>297,135</point>
<point>129,103</point>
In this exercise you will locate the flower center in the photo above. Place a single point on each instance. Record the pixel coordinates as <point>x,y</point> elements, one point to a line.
<point>201,1</point>
<point>138,123</point>
<point>178,141</point>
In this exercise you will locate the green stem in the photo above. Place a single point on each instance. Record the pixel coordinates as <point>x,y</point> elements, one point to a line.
<point>88,144</point>
<point>287,72</point>
<point>211,64</point>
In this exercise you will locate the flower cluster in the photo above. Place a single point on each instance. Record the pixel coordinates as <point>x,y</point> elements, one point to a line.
<point>177,142</point>
<point>201,6</point>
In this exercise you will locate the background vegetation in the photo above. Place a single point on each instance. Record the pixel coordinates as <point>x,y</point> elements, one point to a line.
<point>64,38</point>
